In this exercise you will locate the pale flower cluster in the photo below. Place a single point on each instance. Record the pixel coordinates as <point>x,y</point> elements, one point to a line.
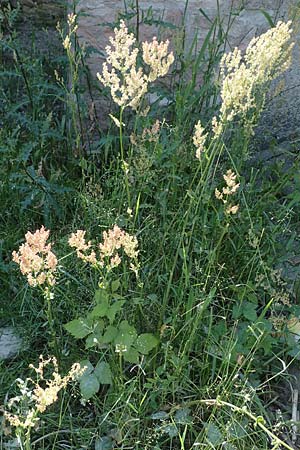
<point>243,77</point>
<point>228,190</point>
<point>156,56</point>
<point>114,240</point>
<point>128,83</point>
<point>72,28</point>
<point>35,258</point>
<point>67,41</point>
<point>109,250</point>
<point>77,240</point>
<point>22,410</point>
<point>199,139</point>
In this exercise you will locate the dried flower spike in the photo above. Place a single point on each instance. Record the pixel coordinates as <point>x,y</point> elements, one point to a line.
<point>35,396</point>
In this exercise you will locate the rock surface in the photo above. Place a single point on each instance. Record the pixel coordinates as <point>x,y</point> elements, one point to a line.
<point>10,343</point>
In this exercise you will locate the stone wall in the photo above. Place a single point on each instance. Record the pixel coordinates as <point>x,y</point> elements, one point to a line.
<point>248,20</point>
<point>42,13</point>
<point>37,20</point>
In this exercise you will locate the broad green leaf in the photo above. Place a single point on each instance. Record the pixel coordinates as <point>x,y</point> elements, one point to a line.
<point>89,386</point>
<point>115,285</point>
<point>79,328</point>
<point>103,373</point>
<point>145,343</point>
<point>85,363</point>
<point>99,327</point>
<point>104,443</point>
<point>95,338</point>
<point>236,311</point>
<point>160,415</point>
<point>249,311</point>
<point>182,416</point>
<point>116,435</point>
<point>114,309</point>
<point>101,296</point>
<point>214,435</point>
<point>100,309</point>
<point>131,356</point>
<point>91,341</point>
<point>109,335</point>
<point>170,429</point>
<point>126,335</point>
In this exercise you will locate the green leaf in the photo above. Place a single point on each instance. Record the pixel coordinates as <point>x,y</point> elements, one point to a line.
<point>95,338</point>
<point>214,435</point>
<point>89,385</point>
<point>170,429</point>
<point>249,311</point>
<point>126,335</point>
<point>131,356</point>
<point>101,296</point>
<point>236,311</point>
<point>182,416</point>
<point>145,343</point>
<point>79,328</point>
<point>104,443</point>
<point>100,309</point>
<point>103,373</point>
<point>115,285</point>
<point>109,335</point>
<point>268,17</point>
<point>160,415</point>
<point>114,309</point>
<point>91,341</point>
<point>88,367</point>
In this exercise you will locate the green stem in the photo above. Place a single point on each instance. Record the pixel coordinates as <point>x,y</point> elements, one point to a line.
<point>53,343</point>
<point>27,442</point>
<point>122,158</point>
<point>121,367</point>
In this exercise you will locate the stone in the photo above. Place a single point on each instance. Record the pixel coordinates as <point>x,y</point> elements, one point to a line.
<point>96,17</point>
<point>10,343</point>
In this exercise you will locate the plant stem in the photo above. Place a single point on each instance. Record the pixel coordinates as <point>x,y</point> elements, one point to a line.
<point>124,165</point>
<point>53,343</point>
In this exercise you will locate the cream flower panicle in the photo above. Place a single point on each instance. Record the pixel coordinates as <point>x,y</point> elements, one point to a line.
<point>230,189</point>
<point>156,56</point>
<point>243,78</point>
<point>128,83</point>
<point>35,258</point>
<point>199,139</point>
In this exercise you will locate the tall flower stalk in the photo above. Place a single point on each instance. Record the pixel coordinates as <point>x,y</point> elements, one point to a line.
<point>38,263</point>
<point>127,82</point>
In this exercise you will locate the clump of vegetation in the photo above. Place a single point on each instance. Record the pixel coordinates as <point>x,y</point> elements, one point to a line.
<point>174,316</point>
